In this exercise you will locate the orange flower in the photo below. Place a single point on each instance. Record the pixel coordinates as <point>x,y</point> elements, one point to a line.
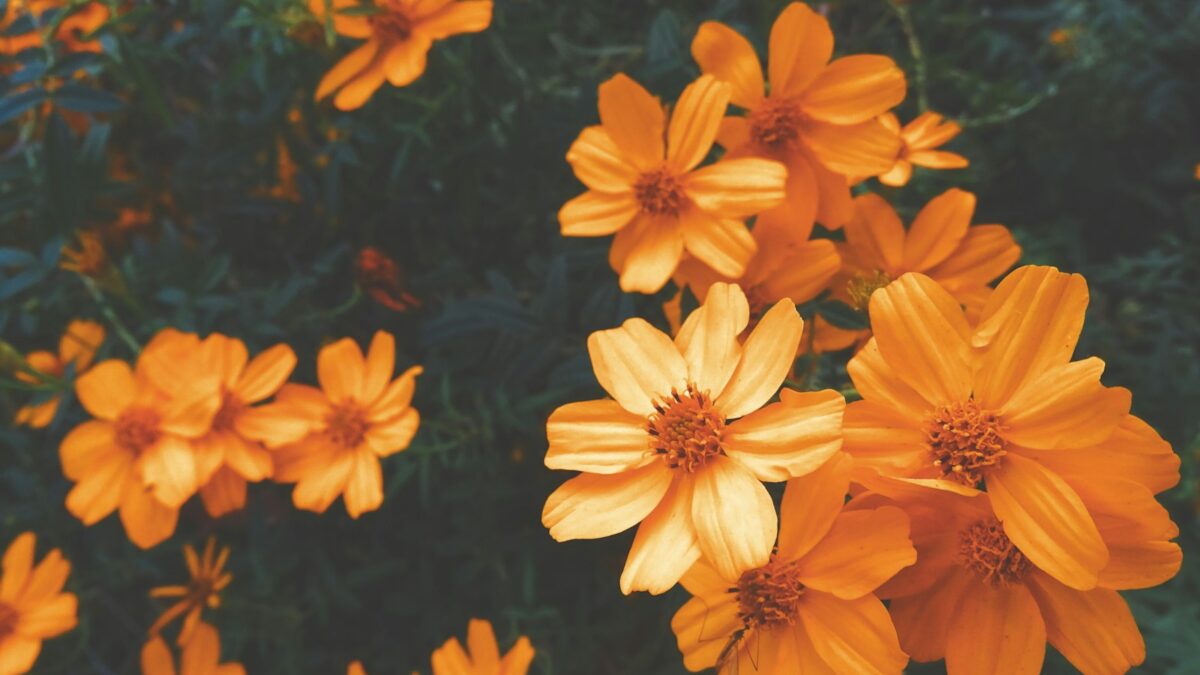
<point>357,416</point>
<point>484,657</point>
<point>137,454</point>
<point>77,348</point>
<point>201,656</point>
<point>355,668</point>
<point>398,37</point>
<point>953,408</point>
<point>941,244</point>
<point>979,601</point>
<point>72,32</point>
<point>644,185</point>
<point>812,607</point>
<point>382,278</point>
<point>90,259</point>
<point>686,439</point>
<point>918,139</point>
<point>32,605</point>
<point>209,578</point>
<point>820,117</point>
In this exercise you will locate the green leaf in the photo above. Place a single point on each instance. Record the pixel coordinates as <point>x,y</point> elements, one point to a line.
<point>83,99</point>
<point>12,106</point>
<point>843,316</point>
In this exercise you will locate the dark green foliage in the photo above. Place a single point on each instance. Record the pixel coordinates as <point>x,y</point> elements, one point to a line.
<point>1085,149</point>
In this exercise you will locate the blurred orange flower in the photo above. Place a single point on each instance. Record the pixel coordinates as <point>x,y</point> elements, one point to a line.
<point>72,32</point>
<point>89,259</point>
<point>645,187</point>
<point>686,439</point>
<point>201,656</point>
<point>208,579</point>
<point>77,348</point>
<point>819,117</point>
<point>357,416</point>
<point>32,605</point>
<point>383,280</point>
<point>918,140</point>
<point>484,654</point>
<point>398,37</point>
<point>812,607</point>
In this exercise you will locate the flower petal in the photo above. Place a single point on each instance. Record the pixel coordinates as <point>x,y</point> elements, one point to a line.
<point>647,253</point>
<point>767,356</point>
<point>997,630</point>
<point>880,384</point>
<point>985,253</point>
<point>405,61</point>
<point>1093,629</point>
<point>598,163</point>
<point>923,621</point>
<point>787,439</point>
<point>703,627</point>
<point>364,484</point>
<point>938,229</point>
<point>792,220</point>
<point>805,272</point>
<point>637,364</point>
<point>224,493</point>
<point>591,506</point>
<point>481,643</point>
<point>665,546</point>
<point>596,437</point>
<point>862,550</point>
<point>852,636</point>
<point>724,244</point>
<point>695,120</point>
<point>596,214</point>
<point>388,437</point>
<point>1133,451</point>
<point>340,369</point>
<point>875,235</point>
<point>855,89</point>
<point>723,52</point>
<point>17,565</point>
<point>862,149</point>
<point>351,65</point>
<point>99,491</point>
<point>363,85</point>
<point>708,339</point>
<point>1141,565</point>
<point>810,505</point>
<point>800,46</point>
<point>396,397</point>
<point>456,18</point>
<point>1064,407</point>
<point>734,516</point>
<point>1047,521</point>
<point>737,188</point>
<point>518,658</point>
<point>266,373</point>
<point>107,389</point>
<point>634,119</point>
<point>148,522</point>
<point>883,440</point>
<point>169,467</point>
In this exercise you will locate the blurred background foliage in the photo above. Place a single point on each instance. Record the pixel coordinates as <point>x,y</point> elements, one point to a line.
<point>230,202</point>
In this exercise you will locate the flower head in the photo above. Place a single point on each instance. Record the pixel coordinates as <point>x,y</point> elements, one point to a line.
<point>919,140</point>
<point>820,117</point>
<point>32,605</point>
<point>200,656</point>
<point>76,348</point>
<point>644,184</point>
<point>687,438</point>
<point>89,259</point>
<point>383,279</point>
<point>811,607</point>
<point>398,34</point>
<point>1000,407</point>
<point>208,579</point>
<point>357,416</point>
<point>482,656</point>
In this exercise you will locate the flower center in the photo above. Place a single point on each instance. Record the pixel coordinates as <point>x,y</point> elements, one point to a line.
<point>8,620</point>
<point>347,424</point>
<point>769,595</point>
<point>137,429</point>
<point>659,193</point>
<point>984,549</point>
<point>776,123</point>
<point>964,440</point>
<point>231,407</point>
<point>391,25</point>
<point>862,285</point>
<point>686,430</point>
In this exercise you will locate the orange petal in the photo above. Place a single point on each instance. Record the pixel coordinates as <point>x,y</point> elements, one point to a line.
<point>451,659</point>
<point>596,437</point>
<point>703,627</point>
<point>1093,629</point>
<point>456,18</point>
<point>202,651</point>
<point>1047,521</point>
<point>923,621</point>
<point>861,149</point>
<point>364,484</point>
<point>734,133</point>
<point>340,369</point>
<point>157,659</point>
<point>723,52</point>
<point>481,643</point>
<point>318,487</point>
<point>881,439</point>
<point>634,119</point>
<point>923,336</point>
<point>767,357</point>
<point>876,235</point>
<point>248,459</point>
<point>87,446</point>
<point>591,506</point>
<point>665,546</point>
<point>148,522</point>
<point>1064,407</point>
<point>805,272</point>
<point>810,505</point>
<point>987,252</point>
<point>637,364</point>
<point>224,493</point>
<point>1125,512</point>
<point>855,89</point>
<point>169,467</point>
<point>391,436</point>
<point>898,175</point>
<point>737,188</point>
<point>650,252</point>
<point>938,229</point>
<point>378,367</point>
<point>274,425</point>
<point>800,46</point>
<point>1141,565</point>
<point>734,517</point>
<point>597,214</point>
<point>695,120</point>
<point>191,410</point>
<point>17,565</point>
<point>1029,324</point>
<point>396,397</point>
<point>363,85</point>
<point>597,161</point>
<point>724,244</point>
<point>405,61</point>
<point>266,373</point>
<point>708,339</point>
<point>351,65</point>
<point>997,630</point>
<point>834,203</point>
<point>792,220</point>
<point>880,384</point>
<point>862,550</point>
<point>79,343</point>
<point>1134,451</point>
<point>852,636</point>
<point>51,617</point>
<point>107,389</point>
<point>936,159</point>
<point>787,439</point>
<point>99,491</point>
<point>518,658</point>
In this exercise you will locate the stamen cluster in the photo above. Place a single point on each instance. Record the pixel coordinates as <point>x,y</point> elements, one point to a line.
<point>659,193</point>
<point>776,123</point>
<point>964,440</point>
<point>137,429</point>
<point>985,549</point>
<point>686,430</point>
<point>769,595</point>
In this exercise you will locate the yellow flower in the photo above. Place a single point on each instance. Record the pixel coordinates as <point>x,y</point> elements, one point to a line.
<point>484,654</point>
<point>209,578</point>
<point>918,140</point>
<point>32,605</point>
<point>76,348</point>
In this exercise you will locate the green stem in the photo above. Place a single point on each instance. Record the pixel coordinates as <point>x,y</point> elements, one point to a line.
<point>106,309</point>
<point>914,48</point>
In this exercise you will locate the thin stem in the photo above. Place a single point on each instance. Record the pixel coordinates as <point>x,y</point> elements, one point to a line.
<point>106,309</point>
<point>914,48</point>
<point>1011,113</point>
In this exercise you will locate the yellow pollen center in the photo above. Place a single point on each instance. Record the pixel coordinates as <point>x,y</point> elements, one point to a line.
<point>391,25</point>
<point>137,429</point>
<point>347,424</point>
<point>776,123</point>
<point>984,549</point>
<point>963,441</point>
<point>863,285</point>
<point>686,430</point>
<point>769,595</point>
<point>8,620</point>
<point>659,193</point>
<point>231,407</point>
